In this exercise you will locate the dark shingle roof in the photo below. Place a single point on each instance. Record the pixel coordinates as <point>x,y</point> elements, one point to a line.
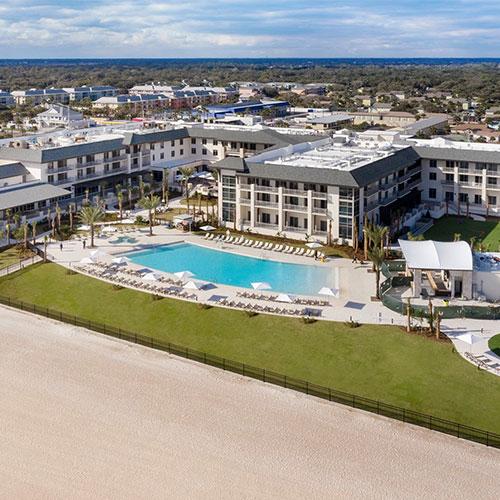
<point>22,195</point>
<point>13,169</point>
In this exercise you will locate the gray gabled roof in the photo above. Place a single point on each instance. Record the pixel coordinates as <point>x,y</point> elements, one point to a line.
<point>132,138</point>
<point>358,177</point>
<point>12,169</point>
<point>455,154</point>
<point>22,195</point>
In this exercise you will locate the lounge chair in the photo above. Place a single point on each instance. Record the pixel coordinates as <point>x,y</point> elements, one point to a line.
<point>297,250</point>
<point>255,244</point>
<point>207,235</point>
<point>290,250</point>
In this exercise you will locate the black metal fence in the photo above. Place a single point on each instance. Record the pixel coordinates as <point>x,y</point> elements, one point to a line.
<point>421,419</point>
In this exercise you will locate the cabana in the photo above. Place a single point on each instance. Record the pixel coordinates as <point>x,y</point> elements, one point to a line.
<point>439,268</point>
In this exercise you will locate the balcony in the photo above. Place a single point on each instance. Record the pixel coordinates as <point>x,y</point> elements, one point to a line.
<point>111,159</point>
<point>319,196</point>
<point>245,187</point>
<point>295,208</point>
<point>266,189</point>
<point>245,201</point>
<point>320,211</point>
<point>56,170</point>
<point>490,185</point>
<point>294,229</point>
<point>295,192</point>
<point>265,225</point>
<point>269,204</point>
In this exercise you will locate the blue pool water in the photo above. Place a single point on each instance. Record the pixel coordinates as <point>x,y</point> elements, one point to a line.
<point>228,268</point>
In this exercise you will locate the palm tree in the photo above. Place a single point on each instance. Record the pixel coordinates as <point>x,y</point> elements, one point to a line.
<point>17,219</point>
<point>7,232</point>
<point>90,215</point>
<point>58,215</point>
<point>25,235</point>
<point>33,231</point>
<point>119,197</point>
<point>164,186</point>
<point>457,237</point>
<point>150,204</point>
<point>186,173</point>
<point>141,186</point>
<point>377,256</point>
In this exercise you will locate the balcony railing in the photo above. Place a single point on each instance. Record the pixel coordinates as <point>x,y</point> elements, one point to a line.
<point>320,211</point>
<point>262,203</point>
<point>294,192</point>
<point>295,208</point>
<point>266,225</point>
<point>266,189</point>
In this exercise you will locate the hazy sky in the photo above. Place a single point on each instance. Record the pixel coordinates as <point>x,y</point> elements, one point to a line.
<point>250,28</point>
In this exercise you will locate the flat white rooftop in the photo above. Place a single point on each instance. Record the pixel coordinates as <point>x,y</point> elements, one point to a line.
<point>441,142</point>
<point>342,152</point>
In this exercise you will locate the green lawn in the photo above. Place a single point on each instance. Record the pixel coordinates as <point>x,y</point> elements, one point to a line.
<point>378,362</point>
<point>494,344</point>
<point>487,232</point>
<point>8,257</point>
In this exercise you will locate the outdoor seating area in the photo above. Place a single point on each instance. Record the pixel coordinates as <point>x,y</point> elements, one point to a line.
<point>484,362</point>
<point>277,298</point>
<point>149,281</point>
<point>263,245</point>
<point>133,279</point>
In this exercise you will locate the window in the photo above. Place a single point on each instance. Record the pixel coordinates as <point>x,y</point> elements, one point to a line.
<point>450,163</point>
<point>345,227</point>
<point>172,143</point>
<point>492,180</point>
<point>478,179</point>
<point>193,140</point>
<point>323,226</point>
<point>204,141</point>
<point>477,199</point>
<point>172,153</point>
<point>162,156</point>
<point>463,164</point>
<point>450,177</point>
<point>215,152</point>
<point>492,200</point>
<point>204,152</point>
<point>432,193</point>
<point>432,163</point>
<point>216,143</point>
<point>463,197</point>
<point>464,178</point>
<point>293,222</point>
<point>50,178</point>
<point>181,152</point>
<point>448,196</point>
<point>193,151</point>
<point>432,176</point>
<point>266,218</point>
<point>181,142</point>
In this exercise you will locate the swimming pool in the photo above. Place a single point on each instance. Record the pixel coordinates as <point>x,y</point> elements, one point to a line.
<point>227,268</point>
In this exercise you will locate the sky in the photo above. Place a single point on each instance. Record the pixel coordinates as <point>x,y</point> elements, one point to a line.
<point>249,28</point>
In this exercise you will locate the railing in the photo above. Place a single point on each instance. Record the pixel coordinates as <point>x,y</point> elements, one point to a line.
<point>295,208</point>
<point>266,189</point>
<point>319,211</point>
<point>262,203</point>
<point>380,408</point>
<point>266,225</point>
<point>294,192</point>
<point>319,196</point>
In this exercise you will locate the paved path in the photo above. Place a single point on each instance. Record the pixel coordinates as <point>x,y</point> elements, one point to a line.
<point>85,416</point>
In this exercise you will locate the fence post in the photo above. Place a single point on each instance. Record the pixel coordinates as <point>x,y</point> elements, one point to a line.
<point>243,369</point>
<point>223,363</point>
<point>404,415</point>
<point>263,375</point>
<point>307,387</point>
<point>285,381</point>
<point>458,430</point>
<point>329,394</point>
<point>378,407</point>
<point>430,421</point>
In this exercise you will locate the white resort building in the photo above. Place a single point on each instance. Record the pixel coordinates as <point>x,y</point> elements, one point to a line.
<point>271,180</point>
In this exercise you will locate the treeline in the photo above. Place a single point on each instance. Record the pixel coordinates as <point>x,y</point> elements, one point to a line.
<point>469,80</point>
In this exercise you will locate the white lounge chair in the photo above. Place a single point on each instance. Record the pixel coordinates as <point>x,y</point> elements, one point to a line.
<point>301,251</point>
<point>207,235</point>
<point>297,250</point>
<point>255,244</point>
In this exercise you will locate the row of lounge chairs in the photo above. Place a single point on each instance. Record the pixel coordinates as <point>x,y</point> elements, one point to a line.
<point>272,298</point>
<point>112,275</point>
<point>266,309</point>
<point>263,245</point>
<point>483,361</point>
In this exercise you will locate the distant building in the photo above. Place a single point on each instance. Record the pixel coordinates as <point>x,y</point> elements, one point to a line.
<point>477,131</point>
<point>309,89</point>
<point>432,124</point>
<point>35,97</point>
<point>60,115</point>
<point>381,107</point>
<point>6,99</point>
<point>387,119</point>
<point>364,100</point>
<point>246,107</point>
<point>333,121</point>
<point>93,92</point>
<point>136,102</point>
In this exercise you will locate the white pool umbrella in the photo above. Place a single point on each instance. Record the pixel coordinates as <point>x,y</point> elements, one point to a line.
<point>87,260</point>
<point>120,260</point>
<point>314,244</point>
<point>151,277</point>
<point>469,339</point>
<point>193,285</point>
<point>184,275</point>
<point>95,254</point>
<point>328,291</point>
<point>207,228</point>
<point>109,229</point>
<point>83,227</point>
<point>284,297</point>
<point>261,285</point>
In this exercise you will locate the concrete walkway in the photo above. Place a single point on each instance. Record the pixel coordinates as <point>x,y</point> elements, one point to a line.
<point>357,286</point>
<point>87,416</point>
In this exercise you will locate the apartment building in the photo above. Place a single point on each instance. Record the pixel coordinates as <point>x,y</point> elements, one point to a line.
<point>466,176</point>
<point>93,92</point>
<point>90,162</point>
<point>271,182</point>
<point>6,99</point>
<point>137,102</point>
<point>321,188</point>
<point>35,97</point>
<point>386,118</point>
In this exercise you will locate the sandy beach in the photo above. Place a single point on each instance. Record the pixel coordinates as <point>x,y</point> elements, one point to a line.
<point>85,416</point>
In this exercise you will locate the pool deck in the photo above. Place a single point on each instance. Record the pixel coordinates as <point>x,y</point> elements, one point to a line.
<point>357,284</point>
